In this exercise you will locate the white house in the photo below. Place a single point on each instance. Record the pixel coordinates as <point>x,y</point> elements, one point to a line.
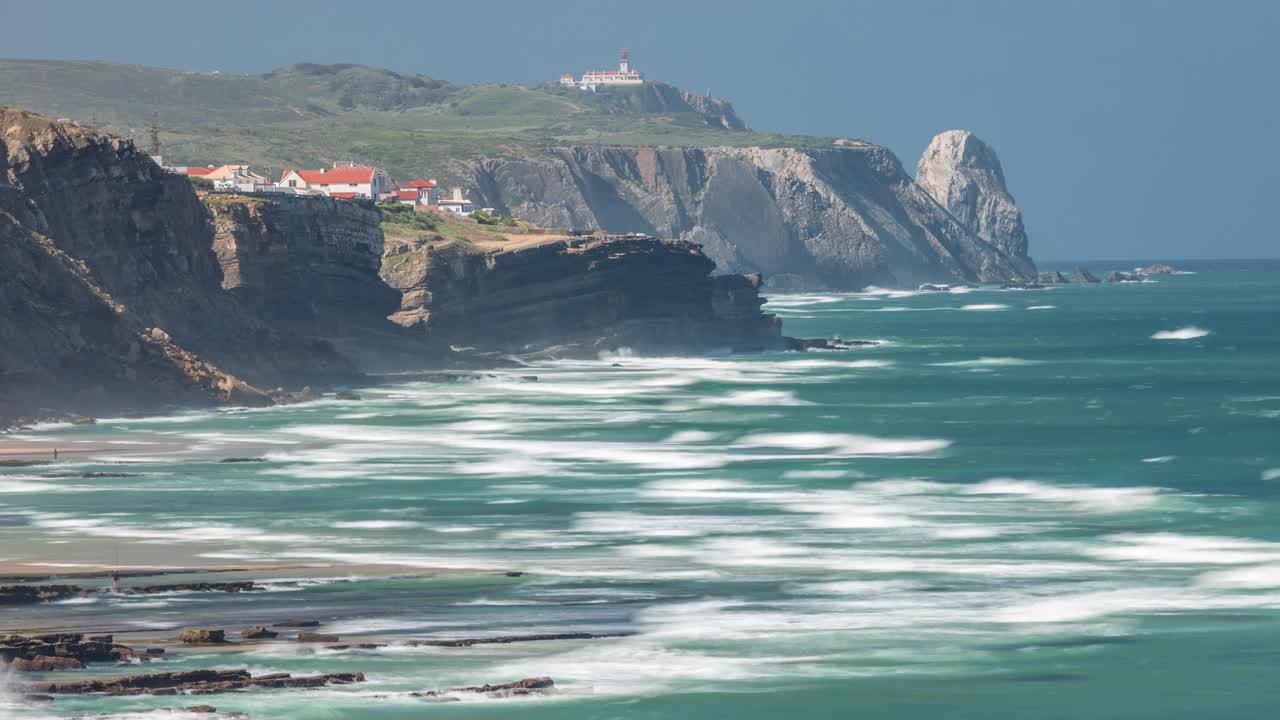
<point>418,192</point>
<point>340,181</point>
<point>457,204</point>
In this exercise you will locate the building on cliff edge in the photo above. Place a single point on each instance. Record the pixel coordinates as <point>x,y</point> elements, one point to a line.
<point>593,79</point>
<point>343,180</point>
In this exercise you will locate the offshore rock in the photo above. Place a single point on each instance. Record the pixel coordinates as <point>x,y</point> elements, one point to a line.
<point>1157,269</point>
<point>1116,276</point>
<point>27,594</point>
<point>62,651</point>
<point>1081,275</point>
<point>202,637</point>
<point>582,296</point>
<point>192,682</point>
<point>964,175</point>
<point>1051,277</point>
<point>527,686</point>
<point>841,217</point>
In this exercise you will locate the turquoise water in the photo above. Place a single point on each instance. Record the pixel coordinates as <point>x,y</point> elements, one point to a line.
<point>1022,504</point>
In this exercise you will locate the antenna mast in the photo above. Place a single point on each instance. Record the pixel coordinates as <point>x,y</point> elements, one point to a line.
<point>153,133</point>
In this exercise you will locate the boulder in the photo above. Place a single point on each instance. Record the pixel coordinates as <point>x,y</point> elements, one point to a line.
<point>46,663</point>
<point>310,637</point>
<point>258,632</point>
<point>1157,269</point>
<point>202,637</point>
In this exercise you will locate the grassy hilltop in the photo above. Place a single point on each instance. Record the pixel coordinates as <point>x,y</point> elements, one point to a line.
<point>308,115</point>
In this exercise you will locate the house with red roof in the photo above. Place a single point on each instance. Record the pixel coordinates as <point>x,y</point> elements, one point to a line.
<point>342,181</point>
<point>418,192</point>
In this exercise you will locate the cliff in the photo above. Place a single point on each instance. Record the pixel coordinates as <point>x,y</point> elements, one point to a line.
<point>146,239</point>
<point>964,175</point>
<point>842,217</point>
<point>308,263</point>
<point>581,296</point>
<point>64,342</point>
<point>659,98</point>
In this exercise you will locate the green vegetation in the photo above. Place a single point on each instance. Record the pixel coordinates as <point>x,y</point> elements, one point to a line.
<point>397,218</point>
<point>311,115</point>
<point>485,218</point>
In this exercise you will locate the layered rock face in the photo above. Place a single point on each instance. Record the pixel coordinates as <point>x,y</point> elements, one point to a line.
<point>659,97</point>
<point>581,296</point>
<point>304,262</point>
<point>964,175</point>
<point>64,342</point>
<point>145,239</point>
<point>843,217</point>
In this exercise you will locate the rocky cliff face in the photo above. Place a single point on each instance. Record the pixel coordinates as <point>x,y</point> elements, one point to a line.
<point>843,217</point>
<point>64,342</point>
<point>964,175</point>
<point>146,240</point>
<point>659,97</point>
<point>308,263</point>
<point>581,296</point>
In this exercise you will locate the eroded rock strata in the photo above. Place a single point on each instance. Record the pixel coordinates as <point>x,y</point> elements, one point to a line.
<point>581,296</point>
<point>842,217</point>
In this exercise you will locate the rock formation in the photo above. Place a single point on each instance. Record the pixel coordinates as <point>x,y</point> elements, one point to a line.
<point>964,175</point>
<point>1082,275</point>
<point>144,238</point>
<point>192,682</point>
<point>842,217</point>
<point>582,295</point>
<point>1051,277</point>
<point>309,264</point>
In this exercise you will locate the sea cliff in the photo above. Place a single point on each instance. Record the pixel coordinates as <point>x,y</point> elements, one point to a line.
<point>842,217</point>
<point>126,290</point>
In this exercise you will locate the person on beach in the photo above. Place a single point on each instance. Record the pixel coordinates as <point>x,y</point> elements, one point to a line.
<point>115,581</point>
<point>55,453</point>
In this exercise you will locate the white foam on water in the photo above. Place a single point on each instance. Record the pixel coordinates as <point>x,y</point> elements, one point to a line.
<point>1085,499</point>
<point>1161,459</point>
<point>985,306</point>
<point>375,524</point>
<point>1042,307</point>
<point>1177,549</point>
<point>1255,577</point>
<point>814,474</point>
<point>844,443</point>
<point>1186,333</point>
<point>755,398</point>
<point>684,437</point>
<point>987,362</point>
<point>1271,474</point>
<point>823,364</point>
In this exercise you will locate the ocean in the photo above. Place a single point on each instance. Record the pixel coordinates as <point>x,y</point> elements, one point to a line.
<point>1059,503</point>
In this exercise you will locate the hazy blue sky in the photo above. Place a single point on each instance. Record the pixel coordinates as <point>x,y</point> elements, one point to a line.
<point>1126,128</point>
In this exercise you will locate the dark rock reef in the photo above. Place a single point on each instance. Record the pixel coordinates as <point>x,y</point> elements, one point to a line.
<point>191,682</point>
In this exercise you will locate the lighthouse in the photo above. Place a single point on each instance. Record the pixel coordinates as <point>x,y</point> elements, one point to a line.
<point>624,75</point>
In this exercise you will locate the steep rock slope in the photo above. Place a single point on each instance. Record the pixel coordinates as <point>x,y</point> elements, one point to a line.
<point>306,262</point>
<point>842,217</point>
<point>581,296</point>
<point>147,240</point>
<point>65,343</point>
<point>964,175</point>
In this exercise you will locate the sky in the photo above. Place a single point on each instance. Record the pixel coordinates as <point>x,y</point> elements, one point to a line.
<point>1128,129</point>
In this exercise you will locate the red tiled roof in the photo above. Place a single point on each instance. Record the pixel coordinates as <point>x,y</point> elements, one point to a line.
<point>343,195</point>
<point>341,175</point>
<point>407,194</point>
<point>200,170</point>
<point>419,183</point>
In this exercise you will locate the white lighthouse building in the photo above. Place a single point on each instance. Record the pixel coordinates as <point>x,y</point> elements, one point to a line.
<point>624,75</point>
